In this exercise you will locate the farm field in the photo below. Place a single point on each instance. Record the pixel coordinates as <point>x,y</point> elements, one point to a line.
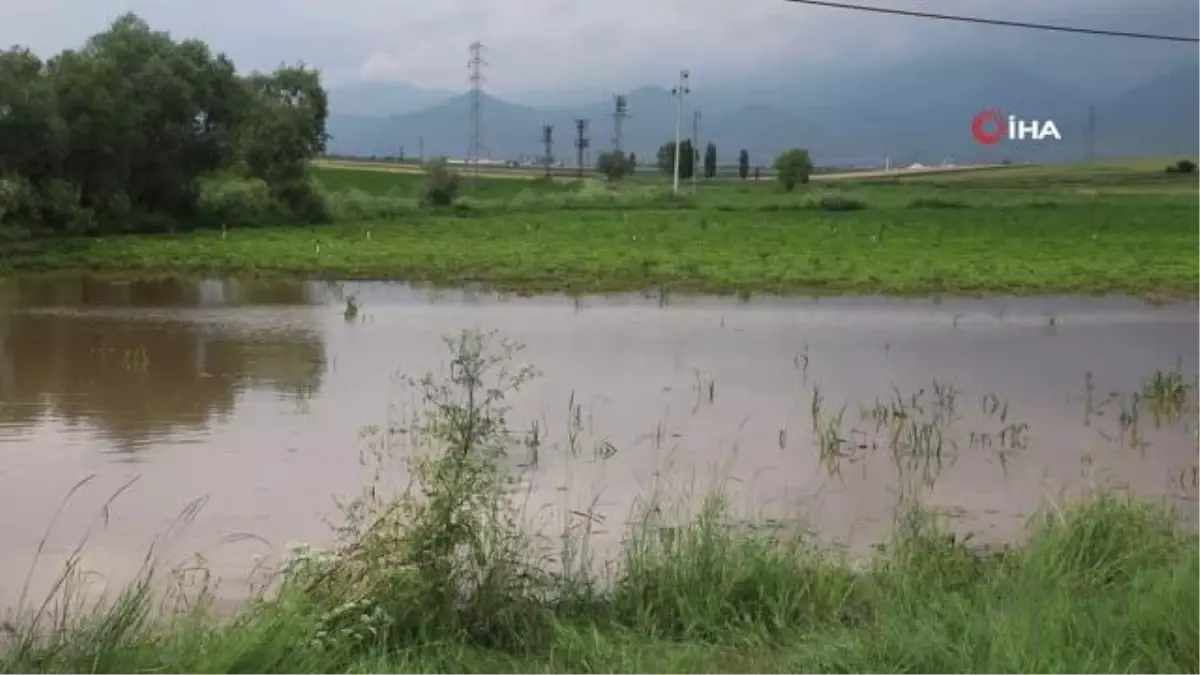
<point>1127,229</point>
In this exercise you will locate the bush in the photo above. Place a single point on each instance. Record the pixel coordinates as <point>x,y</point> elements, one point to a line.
<point>793,166</point>
<point>834,201</point>
<point>357,205</point>
<point>18,201</point>
<point>937,203</point>
<point>1182,166</point>
<point>59,208</point>
<point>614,164</point>
<point>305,200</point>
<point>441,183</point>
<point>230,201</point>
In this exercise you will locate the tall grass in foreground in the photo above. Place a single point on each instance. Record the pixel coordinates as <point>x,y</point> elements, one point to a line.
<point>443,578</point>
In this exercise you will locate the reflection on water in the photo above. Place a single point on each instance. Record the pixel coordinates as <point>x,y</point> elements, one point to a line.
<point>138,379</point>
<point>253,393</point>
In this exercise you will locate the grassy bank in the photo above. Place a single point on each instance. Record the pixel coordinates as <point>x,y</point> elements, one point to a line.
<point>1019,231</point>
<point>447,581</point>
<point>1104,587</point>
<point>1013,250</point>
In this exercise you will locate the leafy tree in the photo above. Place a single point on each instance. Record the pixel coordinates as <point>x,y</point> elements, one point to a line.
<point>633,161</point>
<point>743,164</point>
<point>614,164</point>
<point>710,161</point>
<point>793,166</point>
<point>666,158</point>
<point>125,132</point>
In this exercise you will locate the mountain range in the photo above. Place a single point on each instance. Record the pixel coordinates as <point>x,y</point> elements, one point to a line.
<point>915,111</point>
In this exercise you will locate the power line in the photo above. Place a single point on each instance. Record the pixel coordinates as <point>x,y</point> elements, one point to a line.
<point>998,22</point>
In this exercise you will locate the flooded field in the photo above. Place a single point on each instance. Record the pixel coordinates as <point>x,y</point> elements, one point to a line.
<point>249,400</point>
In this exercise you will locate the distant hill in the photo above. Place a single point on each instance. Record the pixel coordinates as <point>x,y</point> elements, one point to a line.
<point>381,99</point>
<point>915,111</point>
<point>1159,117</point>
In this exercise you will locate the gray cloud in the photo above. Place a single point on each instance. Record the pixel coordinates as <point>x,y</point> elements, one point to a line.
<point>549,44</point>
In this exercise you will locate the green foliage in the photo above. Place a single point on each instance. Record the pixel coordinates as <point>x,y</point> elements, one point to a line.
<point>230,201</point>
<point>710,161</point>
<point>936,202</point>
<point>743,164</point>
<point>793,167</point>
<point>122,134</point>
<point>441,183</point>
<point>1182,166</point>
<point>614,164</point>
<point>834,201</point>
<point>688,157</point>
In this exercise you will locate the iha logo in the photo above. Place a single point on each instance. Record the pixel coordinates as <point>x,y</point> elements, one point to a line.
<point>989,127</point>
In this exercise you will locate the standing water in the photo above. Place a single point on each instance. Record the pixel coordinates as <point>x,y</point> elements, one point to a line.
<point>249,399</point>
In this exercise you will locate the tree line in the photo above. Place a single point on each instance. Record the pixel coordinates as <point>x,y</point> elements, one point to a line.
<point>136,132</point>
<point>792,166</point>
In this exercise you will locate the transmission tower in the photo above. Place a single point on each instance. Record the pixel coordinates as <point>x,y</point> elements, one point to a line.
<point>476,65</point>
<point>581,143</point>
<point>620,112</point>
<point>548,144</point>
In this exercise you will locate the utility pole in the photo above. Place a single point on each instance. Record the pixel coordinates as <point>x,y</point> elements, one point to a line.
<point>679,91</point>
<point>695,146</point>
<point>475,65</point>
<point>1091,133</point>
<point>581,143</point>
<point>620,112</point>
<point>548,144</point>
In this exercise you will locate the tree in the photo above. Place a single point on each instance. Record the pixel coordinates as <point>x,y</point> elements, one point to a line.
<point>710,161</point>
<point>632,161</point>
<point>666,159</point>
<point>125,133</point>
<point>614,164</point>
<point>793,166</point>
<point>743,164</point>
<point>441,183</point>
<point>1182,166</point>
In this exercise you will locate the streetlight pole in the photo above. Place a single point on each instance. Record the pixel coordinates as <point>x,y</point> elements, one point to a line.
<point>678,92</point>
<point>695,158</point>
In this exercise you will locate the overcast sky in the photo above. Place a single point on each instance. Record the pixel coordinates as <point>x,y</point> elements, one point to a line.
<point>573,44</point>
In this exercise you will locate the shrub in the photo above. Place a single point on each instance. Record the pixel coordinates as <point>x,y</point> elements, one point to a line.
<point>237,202</point>
<point>60,210</point>
<point>614,164</point>
<point>441,183</point>
<point>793,166</point>
<point>1182,166</point>
<point>834,201</point>
<point>355,204</point>
<point>937,203</point>
<point>304,198</point>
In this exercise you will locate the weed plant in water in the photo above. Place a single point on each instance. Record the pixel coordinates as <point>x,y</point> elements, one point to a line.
<point>442,576</point>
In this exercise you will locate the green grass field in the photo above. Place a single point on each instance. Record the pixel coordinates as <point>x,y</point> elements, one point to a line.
<point>1068,229</point>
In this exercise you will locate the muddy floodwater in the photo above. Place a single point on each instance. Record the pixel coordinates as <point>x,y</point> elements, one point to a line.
<point>252,396</point>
